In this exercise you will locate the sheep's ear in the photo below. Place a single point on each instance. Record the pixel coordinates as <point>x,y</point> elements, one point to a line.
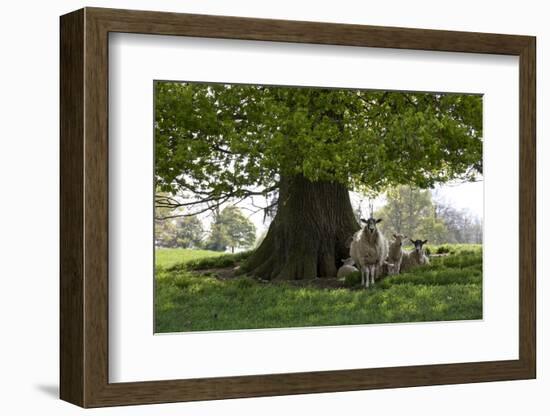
<point>379,220</point>
<point>411,240</point>
<point>395,236</point>
<point>424,242</point>
<point>364,221</point>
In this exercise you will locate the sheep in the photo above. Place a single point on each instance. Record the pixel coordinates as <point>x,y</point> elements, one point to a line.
<point>415,257</point>
<point>395,254</point>
<point>347,268</point>
<point>369,250</point>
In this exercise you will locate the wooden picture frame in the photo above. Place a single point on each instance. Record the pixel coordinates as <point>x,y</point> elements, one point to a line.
<point>84,207</point>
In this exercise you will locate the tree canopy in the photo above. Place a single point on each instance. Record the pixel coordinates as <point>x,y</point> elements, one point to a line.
<point>217,142</point>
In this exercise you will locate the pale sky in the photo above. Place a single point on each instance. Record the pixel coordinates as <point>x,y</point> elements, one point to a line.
<point>467,196</point>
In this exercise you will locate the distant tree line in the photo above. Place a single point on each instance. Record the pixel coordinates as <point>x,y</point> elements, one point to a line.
<point>229,230</point>
<point>413,212</point>
<point>407,210</point>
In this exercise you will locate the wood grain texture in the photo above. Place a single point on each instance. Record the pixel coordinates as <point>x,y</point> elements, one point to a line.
<point>96,208</point>
<point>306,383</point>
<point>528,207</point>
<point>225,27</point>
<point>84,205</point>
<point>71,218</point>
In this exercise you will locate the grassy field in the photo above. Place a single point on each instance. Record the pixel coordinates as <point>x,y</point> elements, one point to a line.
<point>168,257</point>
<point>188,299</point>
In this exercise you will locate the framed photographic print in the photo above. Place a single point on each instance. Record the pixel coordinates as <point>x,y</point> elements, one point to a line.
<point>255,207</point>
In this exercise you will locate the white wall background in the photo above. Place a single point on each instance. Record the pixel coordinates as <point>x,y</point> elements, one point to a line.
<point>29,210</point>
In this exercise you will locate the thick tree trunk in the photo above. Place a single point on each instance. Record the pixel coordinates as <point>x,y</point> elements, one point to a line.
<point>307,237</point>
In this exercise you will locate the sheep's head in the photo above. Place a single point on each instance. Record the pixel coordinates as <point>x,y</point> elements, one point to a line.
<point>370,224</point>
<point>399,238</point>
<point>348,262</point>
<point>418,245</point>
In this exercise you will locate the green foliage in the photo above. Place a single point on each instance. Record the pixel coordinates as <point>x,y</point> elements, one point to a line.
<point>352,279</point>
<point>448,289</point>
<point>217,240</point>
<point>174,231</point>
<point>184,232</point>
<point>461,249</point>
<point>211,262</point>
<point>231,229</point>
<point>435,278</point>
<point>433,229</point>
<point>221,139</point>
<point>443,249</point>
<point>404,210</point>
<point>412,212</point>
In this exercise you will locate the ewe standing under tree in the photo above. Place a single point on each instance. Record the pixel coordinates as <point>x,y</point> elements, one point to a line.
<point>369,250</point>
<point>302,150</point>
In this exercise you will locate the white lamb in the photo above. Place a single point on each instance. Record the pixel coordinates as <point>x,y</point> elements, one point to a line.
<point>395,254</point>
<point>369,250</point>
<point>347,268</point>
<point>415,257</point>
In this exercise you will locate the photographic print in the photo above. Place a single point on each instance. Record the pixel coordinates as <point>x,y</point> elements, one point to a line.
<point>284,206</point>
<point>242,183</point>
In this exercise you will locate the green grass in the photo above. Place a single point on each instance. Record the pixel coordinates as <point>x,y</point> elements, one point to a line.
<point>169,257</point>
<point>450,288</point>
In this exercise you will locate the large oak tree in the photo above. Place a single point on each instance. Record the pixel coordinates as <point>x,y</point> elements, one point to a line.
<point>304,149</point>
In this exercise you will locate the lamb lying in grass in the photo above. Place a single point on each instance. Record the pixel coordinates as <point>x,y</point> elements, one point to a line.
<point>347,268</point>
<point>369,250</point>
<point>395,254</point>
<point>416,257</point>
